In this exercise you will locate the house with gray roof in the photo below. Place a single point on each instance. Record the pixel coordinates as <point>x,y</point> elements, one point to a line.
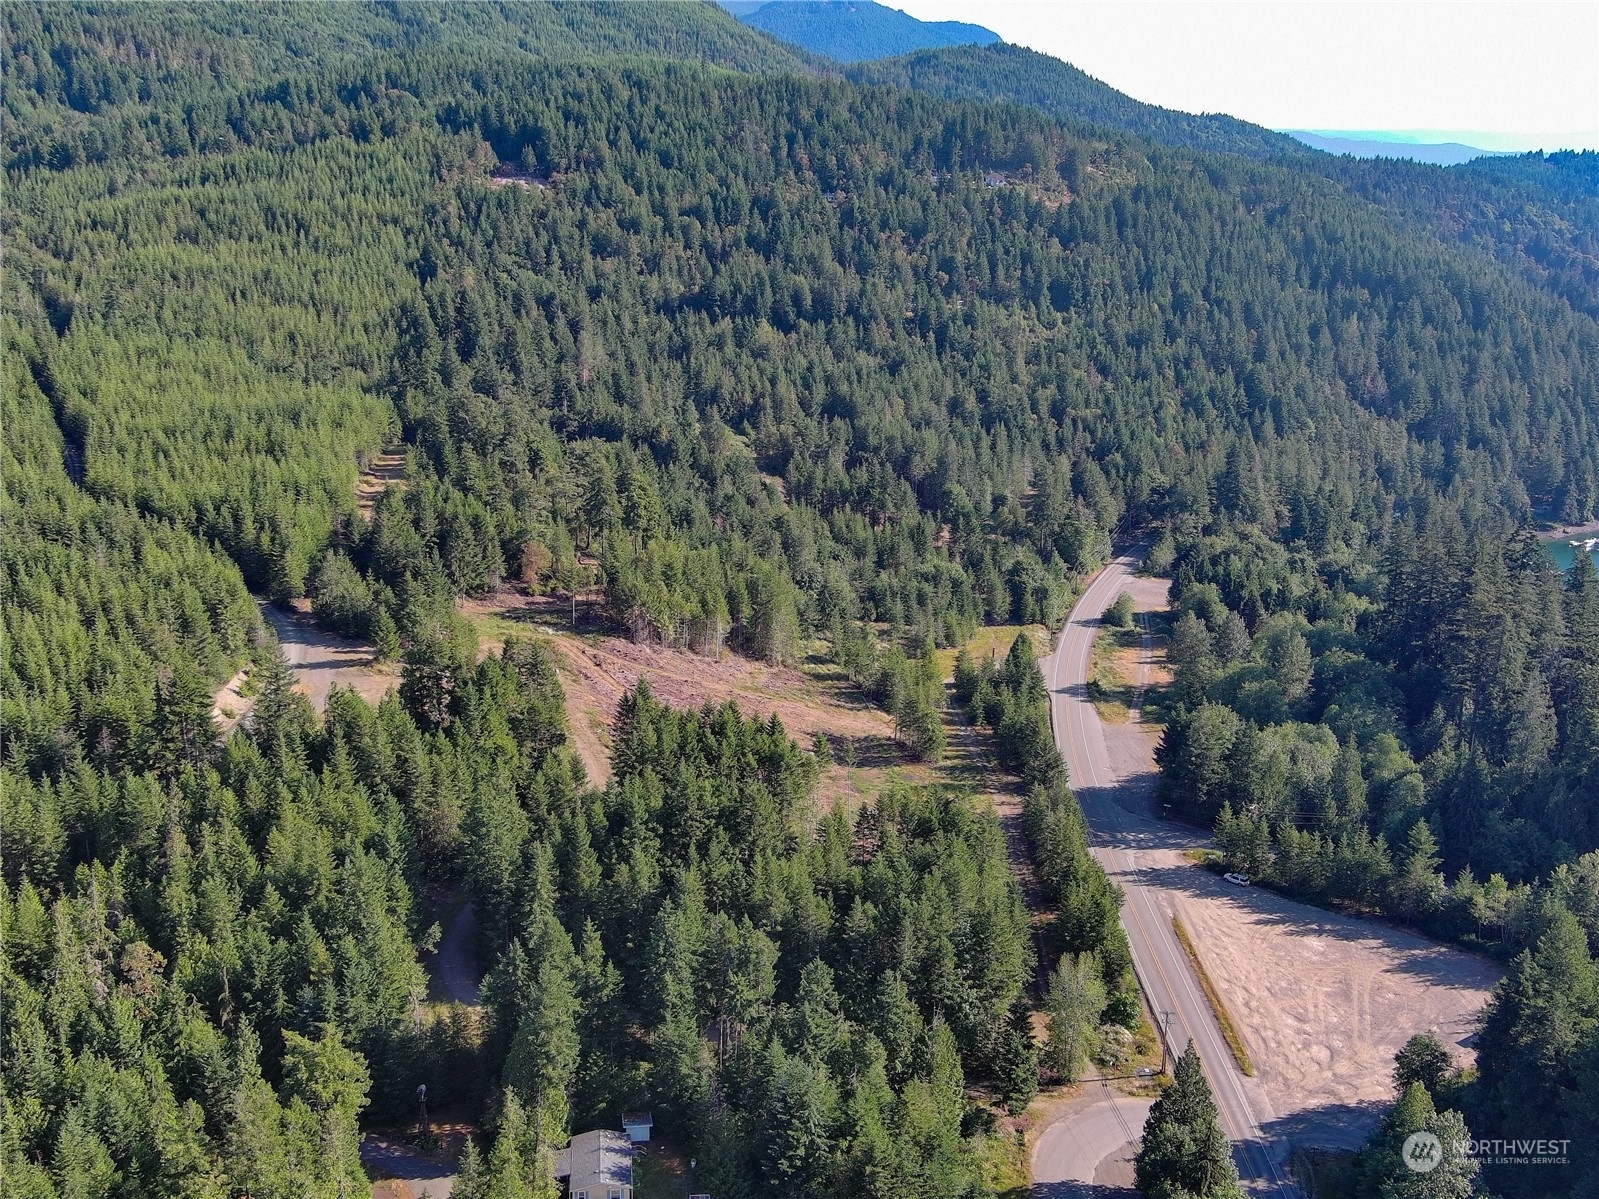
<point>596,1165</point>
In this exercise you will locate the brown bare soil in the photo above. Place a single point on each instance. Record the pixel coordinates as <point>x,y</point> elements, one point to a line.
<point>597,670</point>
<point>1324,1001</point>
<point>229,704</point>
<point>510,174</point>
<point>322,660</point>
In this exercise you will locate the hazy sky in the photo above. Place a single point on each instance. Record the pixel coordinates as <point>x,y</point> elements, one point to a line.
<point>1527,72</point>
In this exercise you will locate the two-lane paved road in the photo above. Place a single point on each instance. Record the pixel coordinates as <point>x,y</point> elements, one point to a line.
<point>1110,799</point>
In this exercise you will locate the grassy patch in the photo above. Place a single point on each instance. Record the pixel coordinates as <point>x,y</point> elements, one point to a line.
<point>1113,693</point>
<point>1155,704</point>
<point>1146,1055</point>
<point>1113,672</point>
<point>862,770</point>
<point>521,623</point>
<point>1209,858</point>
<point>659,1174</point>
<point>1229,1030</point>
<point>994,641</point>
<point>1006,1168</point>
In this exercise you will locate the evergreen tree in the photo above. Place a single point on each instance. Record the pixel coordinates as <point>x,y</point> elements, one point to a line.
<point>1444,1172</point>
<point>1423,1059</point>
<point>182,732</point>
<point>328,1081</point>
<point>386,636</point>
<point>695,362</point>
<point>799,1149</point>
<point>1016,1061</point>
<point>1184,1151</point>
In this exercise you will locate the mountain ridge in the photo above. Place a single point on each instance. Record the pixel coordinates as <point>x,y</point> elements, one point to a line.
<point>856,30</point>
<point>1443,154</point>
<point>1052,85</point>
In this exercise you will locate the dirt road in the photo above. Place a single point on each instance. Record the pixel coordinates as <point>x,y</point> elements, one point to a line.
<point>1323,1000</point>
<point>456,974</point>
<point>323,660</point>
<point>406,1173</point>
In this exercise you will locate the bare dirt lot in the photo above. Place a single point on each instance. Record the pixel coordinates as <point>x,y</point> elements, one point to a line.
<point>1324,1000</point>
<point>322,660</point>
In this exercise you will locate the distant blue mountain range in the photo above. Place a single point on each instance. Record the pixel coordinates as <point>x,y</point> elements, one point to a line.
<point>1444,154</point>
<point>854,30</point>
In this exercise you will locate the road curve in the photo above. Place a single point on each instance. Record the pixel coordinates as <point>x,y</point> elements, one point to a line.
<point>1070,1153</point>
<point>405,1167</point>
<point>1110,800</point>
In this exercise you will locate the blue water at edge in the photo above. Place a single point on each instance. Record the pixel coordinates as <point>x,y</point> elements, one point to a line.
<point>1564,555</point>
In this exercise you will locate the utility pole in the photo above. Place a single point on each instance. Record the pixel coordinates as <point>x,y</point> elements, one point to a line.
<point>1165,1041</point>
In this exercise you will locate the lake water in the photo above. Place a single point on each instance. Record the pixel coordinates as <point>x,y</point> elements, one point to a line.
<point>1564,555</point>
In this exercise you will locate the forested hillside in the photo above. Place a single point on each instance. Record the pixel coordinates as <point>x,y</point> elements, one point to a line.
<point>781,362</point>
<point>1537,212</point>
<point>1023,76</point>
<point>89,83</point>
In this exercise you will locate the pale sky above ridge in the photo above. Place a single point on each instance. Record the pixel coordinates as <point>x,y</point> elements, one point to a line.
<point>1514,76</point>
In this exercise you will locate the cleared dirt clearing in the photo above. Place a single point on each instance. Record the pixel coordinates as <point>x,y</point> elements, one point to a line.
<point>597,670</point>
<point>1324,1001</point>
<point>322,660</point>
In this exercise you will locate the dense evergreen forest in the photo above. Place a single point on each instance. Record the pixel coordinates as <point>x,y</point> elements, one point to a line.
<point>656,304</point>
<point>1537,212</point>
<point>1023,76</point>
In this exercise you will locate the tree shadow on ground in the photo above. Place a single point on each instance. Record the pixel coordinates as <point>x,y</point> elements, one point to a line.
<point>1437,964</point>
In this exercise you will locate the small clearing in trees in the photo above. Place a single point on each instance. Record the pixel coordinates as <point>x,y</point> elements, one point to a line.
<point>387,469</point>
